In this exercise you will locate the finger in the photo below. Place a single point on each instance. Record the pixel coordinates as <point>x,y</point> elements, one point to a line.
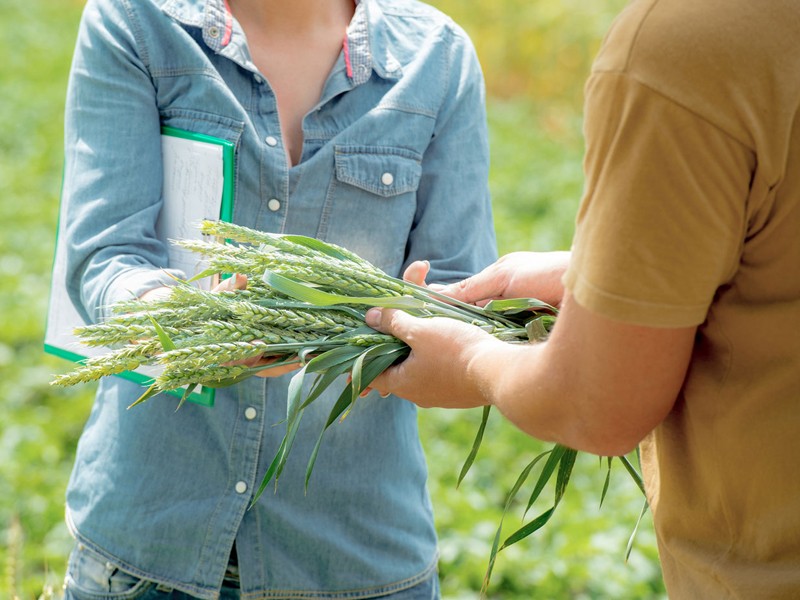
<point>390,320</point>
<point>156,294</point>
<point>367,391</point>
<point>276,371</point>
<point>237,281</point>
<point>274,367</point>
<point>486,285</point>
<point>417,271</point>
<point>390,379</point>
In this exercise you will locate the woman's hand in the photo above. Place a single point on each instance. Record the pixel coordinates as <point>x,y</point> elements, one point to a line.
<point>155,293</point>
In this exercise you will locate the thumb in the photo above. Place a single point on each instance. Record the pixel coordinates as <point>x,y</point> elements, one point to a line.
<point>391,321</point>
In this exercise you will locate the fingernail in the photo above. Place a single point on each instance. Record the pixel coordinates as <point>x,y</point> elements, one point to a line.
<point>373,317</point>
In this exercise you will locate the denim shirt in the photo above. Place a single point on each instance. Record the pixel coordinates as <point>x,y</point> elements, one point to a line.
<point>164,494</point>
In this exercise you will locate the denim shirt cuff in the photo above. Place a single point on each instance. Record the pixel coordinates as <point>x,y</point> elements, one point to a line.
<point>132,283</point>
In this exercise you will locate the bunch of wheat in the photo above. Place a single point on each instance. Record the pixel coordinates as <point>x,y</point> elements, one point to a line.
<point>304,303</point>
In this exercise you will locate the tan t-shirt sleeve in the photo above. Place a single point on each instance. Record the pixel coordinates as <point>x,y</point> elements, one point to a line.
<point>661,223</point>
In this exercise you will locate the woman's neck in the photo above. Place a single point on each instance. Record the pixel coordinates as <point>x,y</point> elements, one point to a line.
<point>294,17</point>
<point>294,44</point>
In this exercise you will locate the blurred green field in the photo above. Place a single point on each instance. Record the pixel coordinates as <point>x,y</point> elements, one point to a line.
<point>536,55</point>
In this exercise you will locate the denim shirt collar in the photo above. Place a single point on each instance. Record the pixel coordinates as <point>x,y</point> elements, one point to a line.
<point>366,46</point>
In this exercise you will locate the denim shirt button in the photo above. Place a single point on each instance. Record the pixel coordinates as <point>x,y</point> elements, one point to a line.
<point>213,32</point>
<point>250,413</point>
<point>387,179</point>
<point>241,487</point>
<point>271,141</point>
<point>274,205</point>
<point>258,79</point>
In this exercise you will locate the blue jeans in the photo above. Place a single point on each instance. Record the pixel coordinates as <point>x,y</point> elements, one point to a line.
<point>90,577</point>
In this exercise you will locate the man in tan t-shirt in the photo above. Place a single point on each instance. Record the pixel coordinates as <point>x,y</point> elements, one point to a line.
<point>680,301</point>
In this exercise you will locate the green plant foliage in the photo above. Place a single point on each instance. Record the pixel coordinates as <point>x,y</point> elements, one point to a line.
<point>540,49</point>
<point>38,430</point>
<point>536,55</point>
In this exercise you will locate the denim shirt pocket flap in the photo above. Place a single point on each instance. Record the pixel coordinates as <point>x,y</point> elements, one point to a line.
<point>205,123</point>
<point>381,170</point>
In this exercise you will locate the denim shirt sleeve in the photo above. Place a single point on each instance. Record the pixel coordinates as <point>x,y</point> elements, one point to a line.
<point>113,253</point>
<point>453,226</point>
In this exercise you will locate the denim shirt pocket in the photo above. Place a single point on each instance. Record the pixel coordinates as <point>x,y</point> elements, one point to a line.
<point>372,202</point>
<point>207,123</point>
<point>383,171</point>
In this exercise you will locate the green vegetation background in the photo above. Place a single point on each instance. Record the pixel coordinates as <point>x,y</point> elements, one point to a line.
<point>536,55</point>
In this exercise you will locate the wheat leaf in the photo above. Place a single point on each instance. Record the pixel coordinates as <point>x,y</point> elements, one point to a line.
<point>338,408</point>
<point>523,476</point>
<point>607,481</point>
<point>333,357</point>
<point>366,369</point>
<point>294,399</point>
<point>637,478</point>
<point>203,275</point>
<point>564,458</point>
<point>149,393</point>
<point>511,306</point>
<point>629,547</point>
<point>325,380</point>
<point>529,528</point>
<point>375,366</point>
<point>186,394</point>
<point>536,330</point>
<point>291,434</point>
<point>565,466</point>
<point>166,343</point>
<point>306,293</point>
<point>476,444</point>
<point>547,471</point>
<point>323,247</point>
<point>269,474</point>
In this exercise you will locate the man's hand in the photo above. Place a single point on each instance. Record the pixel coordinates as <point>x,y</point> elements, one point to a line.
<point>596,384</point>
<point>425,377</point>
<point>428,379</point>
<point>516,275</point>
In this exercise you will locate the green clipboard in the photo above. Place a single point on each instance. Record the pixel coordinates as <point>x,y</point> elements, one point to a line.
<point>198,184</point>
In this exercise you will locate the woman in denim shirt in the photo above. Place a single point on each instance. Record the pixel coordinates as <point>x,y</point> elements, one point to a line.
<point>359,123</point>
